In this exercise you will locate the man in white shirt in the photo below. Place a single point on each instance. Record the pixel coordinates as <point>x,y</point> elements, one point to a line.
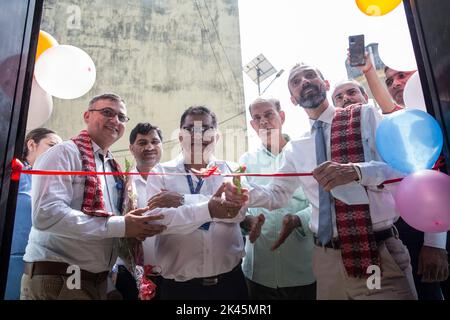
<point>427,249</point>
<point>146,148</point>
<point>77,219</point>
<point>352,212</point>
<point>198,261</point>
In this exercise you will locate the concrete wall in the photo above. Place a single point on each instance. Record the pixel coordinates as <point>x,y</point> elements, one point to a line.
<point>161,56</point>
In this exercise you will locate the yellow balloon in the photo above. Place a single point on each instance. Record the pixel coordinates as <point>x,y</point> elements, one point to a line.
<point>377,7</point>
<point>45,41</point>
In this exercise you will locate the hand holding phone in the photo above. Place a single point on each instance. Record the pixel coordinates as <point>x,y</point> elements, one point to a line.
<point>356,50</point>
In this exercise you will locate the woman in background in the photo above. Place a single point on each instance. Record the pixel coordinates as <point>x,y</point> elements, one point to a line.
<point>37,142</point>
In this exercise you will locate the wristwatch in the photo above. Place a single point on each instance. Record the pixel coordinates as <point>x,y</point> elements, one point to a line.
<point>358,172</point>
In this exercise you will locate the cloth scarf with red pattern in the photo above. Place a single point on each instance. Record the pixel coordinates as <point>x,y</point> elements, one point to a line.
<point>93,203</point>
<point>358,246</point>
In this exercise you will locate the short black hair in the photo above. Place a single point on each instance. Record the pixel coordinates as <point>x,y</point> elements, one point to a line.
<point>198,110</point>
<point>144,128</point>
<point>36,135</point>
<point>106,96</point>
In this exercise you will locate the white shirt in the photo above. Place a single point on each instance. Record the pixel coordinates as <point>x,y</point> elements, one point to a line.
<point>60,231</point>
<point>189,252</point>
<point>140,185</point>
<point>300,156</point>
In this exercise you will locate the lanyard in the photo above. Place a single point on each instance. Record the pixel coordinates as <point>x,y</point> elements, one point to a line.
<point>191,185</point>
<point>204,226</point>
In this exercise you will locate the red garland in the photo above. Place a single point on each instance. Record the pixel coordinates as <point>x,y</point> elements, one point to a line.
<point>147,289</point>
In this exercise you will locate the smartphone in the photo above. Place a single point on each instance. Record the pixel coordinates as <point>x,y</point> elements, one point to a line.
<point>356,50</point>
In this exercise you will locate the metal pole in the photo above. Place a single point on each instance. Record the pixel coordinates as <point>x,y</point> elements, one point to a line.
<point>258,74</point>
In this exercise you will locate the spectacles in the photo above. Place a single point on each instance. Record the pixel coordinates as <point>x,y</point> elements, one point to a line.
<point>197,129</point>
<point>110,113</point>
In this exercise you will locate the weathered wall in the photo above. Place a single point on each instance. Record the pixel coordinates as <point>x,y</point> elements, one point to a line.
<point>161,57</point>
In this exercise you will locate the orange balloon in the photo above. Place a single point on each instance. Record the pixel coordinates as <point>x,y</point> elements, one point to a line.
<point>377,7</point>
<point>45,42</point>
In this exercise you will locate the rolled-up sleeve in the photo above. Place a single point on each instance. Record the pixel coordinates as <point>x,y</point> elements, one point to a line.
<point>435,240</point>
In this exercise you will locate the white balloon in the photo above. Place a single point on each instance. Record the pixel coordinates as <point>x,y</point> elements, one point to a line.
<point>65,71</point>
<point>413,93</point>
<point>394,41</point>
<point>41,106</point>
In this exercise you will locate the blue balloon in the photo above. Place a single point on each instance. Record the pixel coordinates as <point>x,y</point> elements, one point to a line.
<point>409,140</point>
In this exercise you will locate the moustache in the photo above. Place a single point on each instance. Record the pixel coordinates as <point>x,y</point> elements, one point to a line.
<point>311,87</point>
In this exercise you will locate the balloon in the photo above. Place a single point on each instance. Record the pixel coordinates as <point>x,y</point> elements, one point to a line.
<point>413,93</point>
<point>409,140</point>
<point>395,46</point>
<point>423,201</point>
<point>41,106</point>
<point>45,42</point>
<point>377,7</point>
<point>65,71</point>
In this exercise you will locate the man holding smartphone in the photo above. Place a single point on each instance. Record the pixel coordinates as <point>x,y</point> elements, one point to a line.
<point>352,215</point>
<point>429,257</point>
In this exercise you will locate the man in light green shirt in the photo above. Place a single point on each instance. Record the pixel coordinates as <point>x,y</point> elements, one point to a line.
<point>278,264</point>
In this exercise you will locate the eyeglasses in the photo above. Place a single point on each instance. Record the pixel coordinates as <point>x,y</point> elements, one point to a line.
<point>110,113</point>
<point>197,129</point>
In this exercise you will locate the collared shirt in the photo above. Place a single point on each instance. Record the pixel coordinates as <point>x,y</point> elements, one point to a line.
<point>291,264</point>
<point>300,156</point>
<point>60,231</point>
<point>140,185</point>
<point>183,250</point>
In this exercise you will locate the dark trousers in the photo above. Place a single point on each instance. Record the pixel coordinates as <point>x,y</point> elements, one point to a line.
<point>126,284</point>
<point>229,286</point>
<point>259,292</point>
<point>413,240</point>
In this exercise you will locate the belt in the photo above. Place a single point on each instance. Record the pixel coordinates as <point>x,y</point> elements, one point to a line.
<point>211,281</point>
<point>380,236</point>
<point>60,269</point>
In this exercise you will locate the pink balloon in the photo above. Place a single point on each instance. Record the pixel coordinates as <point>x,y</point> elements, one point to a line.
<point>423,201</point>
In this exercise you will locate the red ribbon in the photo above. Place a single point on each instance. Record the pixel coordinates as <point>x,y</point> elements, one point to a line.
<point>17,170</point>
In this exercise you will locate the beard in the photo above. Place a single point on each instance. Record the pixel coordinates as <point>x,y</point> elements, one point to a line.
<point>313,99</point>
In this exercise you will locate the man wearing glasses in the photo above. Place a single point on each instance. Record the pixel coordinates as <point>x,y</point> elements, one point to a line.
<point>198,261</point>
<point>77,219</point>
